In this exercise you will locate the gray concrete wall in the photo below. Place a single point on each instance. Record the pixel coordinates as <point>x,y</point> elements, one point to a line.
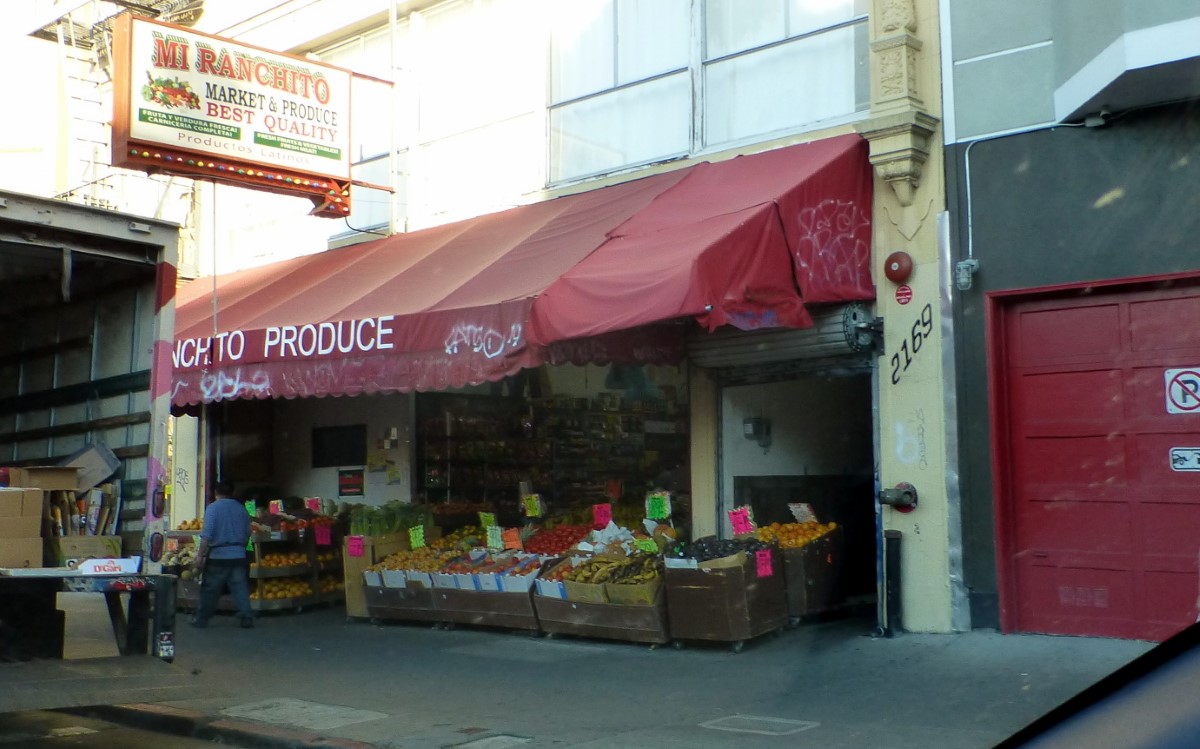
<point>1009,57</point>
<point>1082,30</point>
<point>1061,206</point>
<point>1142,14</point>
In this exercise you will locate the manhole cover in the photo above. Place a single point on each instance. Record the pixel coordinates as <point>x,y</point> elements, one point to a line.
<point>302,714</point>
<point>759,724</point>
<point>492,742</point>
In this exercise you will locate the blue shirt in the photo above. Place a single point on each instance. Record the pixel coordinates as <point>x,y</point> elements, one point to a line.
<point>226,528</point>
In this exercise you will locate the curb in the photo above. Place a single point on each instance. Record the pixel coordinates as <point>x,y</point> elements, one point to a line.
<point>181,722</point>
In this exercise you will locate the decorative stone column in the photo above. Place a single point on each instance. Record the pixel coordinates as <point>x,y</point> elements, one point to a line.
<point>916,360</point>
<point>900,128</point>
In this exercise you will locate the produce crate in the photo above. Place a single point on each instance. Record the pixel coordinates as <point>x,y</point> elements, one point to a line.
<point>610,621</point>
<point>486,608</point>
<point>375,548</point>
<point>813,574</point>
<point>414,604</point>
<point>585,592</point>
<point>725,600</point>
<point>636,594</point>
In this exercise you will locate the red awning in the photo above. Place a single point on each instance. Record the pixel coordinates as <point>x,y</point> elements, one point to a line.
<point>582,278</point>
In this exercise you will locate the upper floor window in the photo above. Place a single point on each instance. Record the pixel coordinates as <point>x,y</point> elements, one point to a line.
<point>620,93</point>
<point>630,83</point>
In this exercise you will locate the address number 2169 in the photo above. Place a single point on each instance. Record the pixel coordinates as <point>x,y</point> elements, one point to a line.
<point>921,330</point>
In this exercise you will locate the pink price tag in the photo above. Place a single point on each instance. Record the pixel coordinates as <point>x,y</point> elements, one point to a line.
<point>740,520</point>
<point>602,514</point>
<point>324,535</point>
<point>354,546</point>
<point>762,559</point>
<point>313,503</point>
<point>276,507</point>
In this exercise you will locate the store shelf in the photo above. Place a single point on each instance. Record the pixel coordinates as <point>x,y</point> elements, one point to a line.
<point>262,573</point>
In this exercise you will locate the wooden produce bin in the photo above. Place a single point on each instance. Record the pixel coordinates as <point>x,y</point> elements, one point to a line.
<point>725,600</point>
<point>610,621</point>
<point>410,604</point>
<point>813,574</point>
<point>486,608</point>
<point>375,548</point>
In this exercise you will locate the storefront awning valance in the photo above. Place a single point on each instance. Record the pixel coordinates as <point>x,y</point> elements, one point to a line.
<point>583,278</point>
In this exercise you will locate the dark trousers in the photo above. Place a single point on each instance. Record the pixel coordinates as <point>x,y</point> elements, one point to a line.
<point>220,574</point>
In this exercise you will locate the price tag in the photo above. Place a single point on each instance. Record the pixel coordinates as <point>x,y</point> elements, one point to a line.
<point>533,505</point>
<point>495,537</point>
<point>250,508</point>
<point>512,539</point>
<point>762,559</point>
<point>276,506</point>
<point>172,544</point>
<point>354,546</point>
<point>646,544</point>
<point>741,521</point>
<point>416,536</point>
<point>324,535</point>
<point>250,544</point>
<point>658,505</point>
<point>487,519</point>
<point>803,512</point>
<point>313,503</point>
<point>602,514</point>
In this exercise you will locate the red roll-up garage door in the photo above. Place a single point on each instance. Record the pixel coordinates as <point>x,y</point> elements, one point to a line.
<point>1098,462</point>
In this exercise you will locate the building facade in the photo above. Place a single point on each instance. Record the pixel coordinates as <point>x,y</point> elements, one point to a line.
<point>1072,144</point>
<point>476,106</point>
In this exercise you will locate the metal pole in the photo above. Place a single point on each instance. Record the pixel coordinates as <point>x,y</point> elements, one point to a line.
<point>891,543</point>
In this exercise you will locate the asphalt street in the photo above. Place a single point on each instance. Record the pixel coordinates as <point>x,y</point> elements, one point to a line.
<point>831,685</point>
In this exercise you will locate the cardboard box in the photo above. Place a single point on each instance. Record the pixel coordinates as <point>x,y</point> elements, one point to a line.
<point>394,579</point>
<point>646,624</point>
<point>20,527</point>
<point>488,581</point>
<point>517,583</point>
<point>21,552</point>
<point>487,609</point>
<point>125,566</point>
<point>444,581</point>
<point>813,574</point>
<point>551,589</point>
<point>375,548</point>
<point>24,502</point>
<point>372,579</point>
<point>95,463</point>
<point>636,594</point>
<point>63,550</point>
<point>419,579</point>
<point>49,478</point>
<point>725,604</point>
<point>586,592</point>
<point>402,604</point>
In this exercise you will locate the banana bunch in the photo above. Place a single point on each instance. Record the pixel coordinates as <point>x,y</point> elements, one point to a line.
<point>181,557</point>
<point>635,569</point>
<point>642,568</point>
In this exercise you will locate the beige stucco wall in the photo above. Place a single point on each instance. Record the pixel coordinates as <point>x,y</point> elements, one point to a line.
<point>911,411</point>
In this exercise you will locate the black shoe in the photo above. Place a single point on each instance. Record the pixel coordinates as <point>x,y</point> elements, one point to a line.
<point>247,623</point>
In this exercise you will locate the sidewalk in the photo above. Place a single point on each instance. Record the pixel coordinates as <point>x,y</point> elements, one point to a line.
<point>317,679</point>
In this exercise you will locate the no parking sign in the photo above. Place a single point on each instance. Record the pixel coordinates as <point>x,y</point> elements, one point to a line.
<point>1183,390</point>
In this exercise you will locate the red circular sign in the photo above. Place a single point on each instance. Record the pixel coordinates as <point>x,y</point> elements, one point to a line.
<point>904,294</point>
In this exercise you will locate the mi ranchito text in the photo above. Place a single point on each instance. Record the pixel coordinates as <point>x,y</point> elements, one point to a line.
<point>175,53</point>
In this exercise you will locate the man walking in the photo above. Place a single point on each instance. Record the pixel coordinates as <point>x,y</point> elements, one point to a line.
<point>222,556</point>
